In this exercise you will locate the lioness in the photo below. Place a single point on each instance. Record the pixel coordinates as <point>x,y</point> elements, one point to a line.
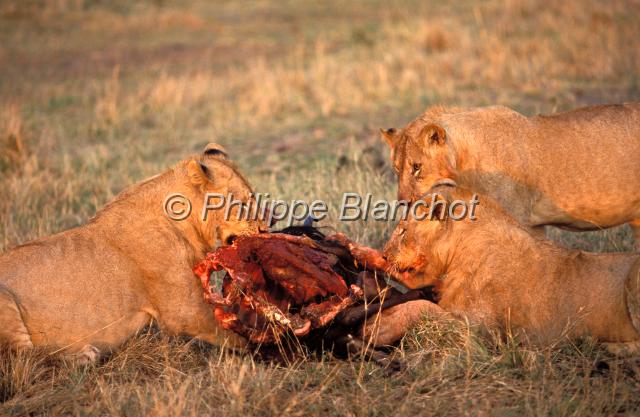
<point>494,272</point>
<point>86,290</point>
<point>578,170</point>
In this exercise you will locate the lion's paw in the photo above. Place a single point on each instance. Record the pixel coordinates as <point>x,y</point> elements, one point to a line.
<point>87,355</point>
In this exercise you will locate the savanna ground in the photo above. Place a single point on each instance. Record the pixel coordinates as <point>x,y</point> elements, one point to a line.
<point>96,95</point>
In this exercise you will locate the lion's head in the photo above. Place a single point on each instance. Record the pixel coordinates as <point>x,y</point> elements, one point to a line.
<point>209,176</point>
<point>423,242</point>
<point>421,154</point>
<point>421,158</point>
<point>408,248</point>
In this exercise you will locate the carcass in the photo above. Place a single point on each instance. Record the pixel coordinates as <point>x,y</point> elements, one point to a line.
<point>298,283</point>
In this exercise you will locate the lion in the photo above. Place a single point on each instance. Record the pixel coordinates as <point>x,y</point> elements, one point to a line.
<point>578,170</point>
<point>85,291</point>
<point>492,271</point>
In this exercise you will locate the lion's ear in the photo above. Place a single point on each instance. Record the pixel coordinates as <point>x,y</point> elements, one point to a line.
<point>433,134</point>
<point>216,151</point>
<point>389,136</point>
<point>197,173</point>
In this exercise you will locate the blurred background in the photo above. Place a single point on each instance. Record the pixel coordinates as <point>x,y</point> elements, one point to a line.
<point>95,95</point>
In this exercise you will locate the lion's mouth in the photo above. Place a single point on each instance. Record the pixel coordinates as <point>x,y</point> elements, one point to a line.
<point>406,275</point>
<point>407,271</point>
<point>413,273</point>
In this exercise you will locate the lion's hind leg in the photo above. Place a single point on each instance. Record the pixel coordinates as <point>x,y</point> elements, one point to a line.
<point>13,331</point>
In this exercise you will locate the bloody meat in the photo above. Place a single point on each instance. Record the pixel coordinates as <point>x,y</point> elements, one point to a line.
<point>278,284</point>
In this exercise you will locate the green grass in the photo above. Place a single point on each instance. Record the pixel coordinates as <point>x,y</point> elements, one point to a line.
<point>95,96</point>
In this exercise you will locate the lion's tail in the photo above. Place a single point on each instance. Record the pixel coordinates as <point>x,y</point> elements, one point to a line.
<point>632,294</point>
<point>13,331</point>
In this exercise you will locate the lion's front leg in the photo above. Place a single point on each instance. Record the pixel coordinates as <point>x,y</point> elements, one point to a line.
<point>393,323</point>
<point>183,311</point>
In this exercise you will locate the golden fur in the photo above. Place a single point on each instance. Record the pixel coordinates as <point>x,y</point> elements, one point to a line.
<point>494,272</point>
<point>86,290</point>
<point>579,170</point>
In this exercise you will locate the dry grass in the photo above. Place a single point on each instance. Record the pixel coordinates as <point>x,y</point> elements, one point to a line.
<point>97,95</point>
<point>451,370</point>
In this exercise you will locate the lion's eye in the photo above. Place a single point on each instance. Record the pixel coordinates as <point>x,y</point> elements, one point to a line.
<point>416,169</point>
